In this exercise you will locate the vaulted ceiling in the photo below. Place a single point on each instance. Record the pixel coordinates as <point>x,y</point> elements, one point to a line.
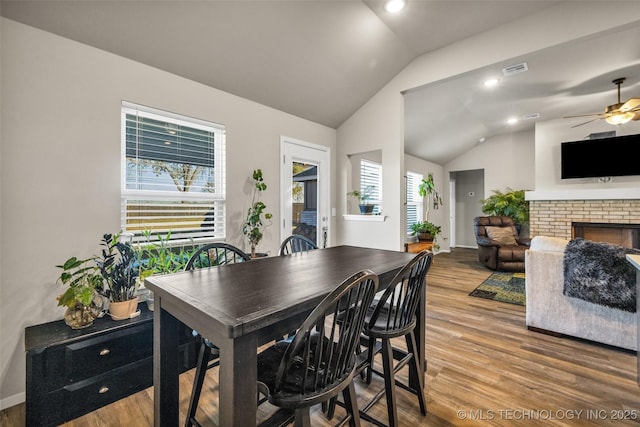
<point>321,59</point>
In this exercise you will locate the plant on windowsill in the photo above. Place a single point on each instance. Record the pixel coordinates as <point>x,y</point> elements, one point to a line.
<point>82,297</point>
<point>157,256</point>
<point>257,219</point>
<point>366,208</point>
<point>118,267</point>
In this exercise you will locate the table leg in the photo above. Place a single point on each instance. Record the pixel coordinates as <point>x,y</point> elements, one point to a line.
<point>238,382</point>
<point>165,367</point>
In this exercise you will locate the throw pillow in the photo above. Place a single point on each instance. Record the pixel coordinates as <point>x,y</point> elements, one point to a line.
<point>501,235</point>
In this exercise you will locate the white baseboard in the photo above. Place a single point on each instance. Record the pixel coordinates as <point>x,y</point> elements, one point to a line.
<point>10,401</point>
<point>467,246</point>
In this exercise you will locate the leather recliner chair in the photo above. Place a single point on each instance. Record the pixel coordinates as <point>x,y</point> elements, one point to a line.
<point>499,246</point>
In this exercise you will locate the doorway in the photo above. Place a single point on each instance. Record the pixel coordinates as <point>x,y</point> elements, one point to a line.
<point>304,192</point>
<point>466,193</point>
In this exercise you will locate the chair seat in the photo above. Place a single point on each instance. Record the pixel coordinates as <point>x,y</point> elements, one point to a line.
<point>380,329</point>
<point>289,394</point>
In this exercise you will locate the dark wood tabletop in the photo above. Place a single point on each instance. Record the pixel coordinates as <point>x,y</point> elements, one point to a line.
<point>241,306</point>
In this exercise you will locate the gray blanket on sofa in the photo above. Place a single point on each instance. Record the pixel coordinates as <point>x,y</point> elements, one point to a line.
<point>600,273</point>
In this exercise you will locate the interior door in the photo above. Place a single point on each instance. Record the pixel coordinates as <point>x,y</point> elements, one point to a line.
<point>304,193</point>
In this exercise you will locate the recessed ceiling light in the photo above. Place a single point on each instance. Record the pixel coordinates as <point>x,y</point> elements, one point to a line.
<point>491,82</point>
<point>512,120</point>
<point>394,6</point>
<point>482,139</point>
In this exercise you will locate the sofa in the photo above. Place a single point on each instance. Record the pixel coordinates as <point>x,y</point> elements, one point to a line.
<point>549,310</point>
<point>499,246</point>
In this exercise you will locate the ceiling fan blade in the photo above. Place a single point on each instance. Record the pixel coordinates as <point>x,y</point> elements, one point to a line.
<point>583,115</point>
<point>584,123</point>
<point>630,104</point>
<point>637,116</point>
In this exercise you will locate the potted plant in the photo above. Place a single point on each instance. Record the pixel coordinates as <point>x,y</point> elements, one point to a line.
<point>156,256</point>
<point>509,203</point>
<point>425,230</point>
<point>118,267</point>
<point>257,219</point>
<point>363,197</point>
<point>82,299</point>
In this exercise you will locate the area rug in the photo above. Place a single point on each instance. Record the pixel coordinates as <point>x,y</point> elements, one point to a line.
<point>502,286</point>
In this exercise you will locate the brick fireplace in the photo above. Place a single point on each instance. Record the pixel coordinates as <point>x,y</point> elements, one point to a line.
<point>558,218</point>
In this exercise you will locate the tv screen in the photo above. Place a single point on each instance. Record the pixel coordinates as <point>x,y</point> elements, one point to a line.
<point>593,158</point>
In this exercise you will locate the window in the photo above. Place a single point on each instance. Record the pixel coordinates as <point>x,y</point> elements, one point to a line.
<point>414,201</point>
<point>371,183</point>
<point>173,172</point>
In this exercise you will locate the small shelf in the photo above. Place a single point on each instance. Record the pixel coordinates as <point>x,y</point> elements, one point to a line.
<point>375,218</point>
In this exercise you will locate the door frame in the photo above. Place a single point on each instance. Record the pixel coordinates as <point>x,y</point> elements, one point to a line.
<point>292,149</point>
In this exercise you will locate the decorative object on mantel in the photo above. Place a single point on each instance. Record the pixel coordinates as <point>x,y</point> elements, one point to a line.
<point>599,273</point>
<point>363,197</point>
<point>503,287</point>
<point>118,267</point>
<point>82,298</point>
<point>425,230</point>
<point>257,219</point>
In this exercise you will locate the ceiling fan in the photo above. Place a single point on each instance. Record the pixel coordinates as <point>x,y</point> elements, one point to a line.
<point>616,114</point>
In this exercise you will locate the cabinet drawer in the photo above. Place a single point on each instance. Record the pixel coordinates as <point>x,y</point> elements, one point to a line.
<point>94,356</point>
<point>103,389</point>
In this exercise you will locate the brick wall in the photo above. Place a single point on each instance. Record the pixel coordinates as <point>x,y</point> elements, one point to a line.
<point>554,217</point>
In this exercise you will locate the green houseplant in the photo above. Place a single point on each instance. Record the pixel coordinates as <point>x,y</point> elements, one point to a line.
<point>363,197</point>
<point>119,269</point>
<point>509,203</point>
<point>82,299</point>
<point>257,219</point>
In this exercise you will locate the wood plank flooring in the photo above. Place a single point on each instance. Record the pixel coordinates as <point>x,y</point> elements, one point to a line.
<point>484,369</point>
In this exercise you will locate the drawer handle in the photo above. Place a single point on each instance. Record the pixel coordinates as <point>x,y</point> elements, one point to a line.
<point>104,352</point>
<point>103,389</point>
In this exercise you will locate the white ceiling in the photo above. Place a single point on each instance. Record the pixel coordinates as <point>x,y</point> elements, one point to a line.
<point>323,59</point>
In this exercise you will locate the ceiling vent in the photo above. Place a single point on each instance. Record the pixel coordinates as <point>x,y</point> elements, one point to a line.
<point>531,116</point>
<point>515,69</point>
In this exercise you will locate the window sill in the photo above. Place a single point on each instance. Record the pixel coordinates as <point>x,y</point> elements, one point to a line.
<point>375,218</point>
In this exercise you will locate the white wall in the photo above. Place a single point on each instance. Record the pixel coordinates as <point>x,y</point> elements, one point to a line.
<point>507,160</point>
<point>379,123</point>
<point>60,170</point>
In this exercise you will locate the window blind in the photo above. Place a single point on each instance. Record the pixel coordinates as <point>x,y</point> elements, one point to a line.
<point>371,182</point>
<point>173,175</point>
<point>414,201</point>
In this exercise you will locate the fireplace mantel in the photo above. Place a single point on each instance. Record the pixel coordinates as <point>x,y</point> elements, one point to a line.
<point>585,194</point>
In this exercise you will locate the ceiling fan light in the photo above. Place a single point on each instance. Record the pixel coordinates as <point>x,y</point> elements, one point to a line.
<point>620,118</point>
<point>394,6</point>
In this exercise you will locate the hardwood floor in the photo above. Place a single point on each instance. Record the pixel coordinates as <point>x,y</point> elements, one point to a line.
<point>484,368</point>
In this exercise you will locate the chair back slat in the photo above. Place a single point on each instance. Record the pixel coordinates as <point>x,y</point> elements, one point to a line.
<point>396,308</point>
<point>215,255</point>
<point>296,243</point>
<point>321,357</point>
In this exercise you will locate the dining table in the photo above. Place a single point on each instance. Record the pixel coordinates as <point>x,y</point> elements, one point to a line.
<point>240,307</point>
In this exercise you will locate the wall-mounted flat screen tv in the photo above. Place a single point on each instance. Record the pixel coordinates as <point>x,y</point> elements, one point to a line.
<point>593,158</point>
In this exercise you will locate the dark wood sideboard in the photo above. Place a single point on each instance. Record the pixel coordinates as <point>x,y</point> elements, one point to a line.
<point>73,372</point>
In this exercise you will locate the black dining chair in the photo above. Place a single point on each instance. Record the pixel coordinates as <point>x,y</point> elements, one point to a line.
<point>210,255</point>
<point>394,315</point>
<point>291,245</point>
<point>296,243</point>
<point>318,363</point>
